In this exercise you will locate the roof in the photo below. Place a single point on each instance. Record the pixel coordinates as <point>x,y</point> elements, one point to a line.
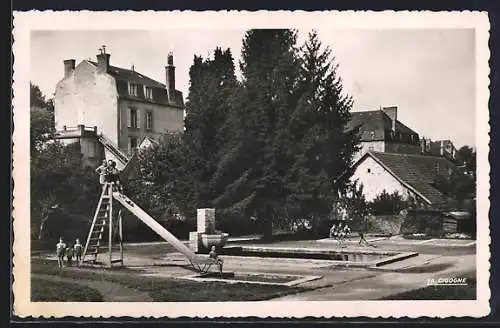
<point>417,172</point>
<point>373,125</point>
<point>123,74</point>
<point>151,140</point>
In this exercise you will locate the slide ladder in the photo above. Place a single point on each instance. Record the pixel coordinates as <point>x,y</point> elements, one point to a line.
<point>103,222</point>
<point>199,263</point>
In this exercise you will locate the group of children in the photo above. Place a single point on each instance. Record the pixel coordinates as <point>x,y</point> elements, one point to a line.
<point>69,252</point>
<point>109,173</point>
<point>340,232</point>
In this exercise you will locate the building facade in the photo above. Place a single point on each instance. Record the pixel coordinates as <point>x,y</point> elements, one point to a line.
<point>123,105</point>
<point>381,131</point>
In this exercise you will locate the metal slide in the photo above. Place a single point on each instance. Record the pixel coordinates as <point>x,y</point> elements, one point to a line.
<point>200,263</point>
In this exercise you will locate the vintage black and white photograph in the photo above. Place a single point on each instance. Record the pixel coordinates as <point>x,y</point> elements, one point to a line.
<point>251,164</point>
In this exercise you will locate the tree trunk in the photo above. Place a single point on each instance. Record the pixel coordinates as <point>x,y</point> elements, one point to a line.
<point>267,226</point>
<point>42,226</point>
<point>268,229</point>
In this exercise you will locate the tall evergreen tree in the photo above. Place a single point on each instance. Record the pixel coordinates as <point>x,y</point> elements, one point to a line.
<point>212,83</point>
<point>322,147</point>
<point>251,168</point>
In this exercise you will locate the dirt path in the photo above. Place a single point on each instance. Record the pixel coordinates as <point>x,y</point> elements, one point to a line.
<point>110,291</point>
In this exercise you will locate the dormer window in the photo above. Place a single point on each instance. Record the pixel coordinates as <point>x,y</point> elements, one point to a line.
<point>148,93</point>
<point>132,89</point>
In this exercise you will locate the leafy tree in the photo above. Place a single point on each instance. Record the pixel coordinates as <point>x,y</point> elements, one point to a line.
<point>164,186</point>
<point>459,185</point>
<point>352,205</point>
<point>466,157</point>
<point>42,128</point>
<point>38,100</point>
<point>58,177</point>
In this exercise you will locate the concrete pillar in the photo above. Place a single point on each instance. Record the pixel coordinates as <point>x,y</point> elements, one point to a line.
<point>206,220</point>
<point>195,241</point>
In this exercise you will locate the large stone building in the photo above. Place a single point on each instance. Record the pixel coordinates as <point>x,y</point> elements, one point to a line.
<point>393,158</point>
<point>111,110</point>
<point>381,131</point>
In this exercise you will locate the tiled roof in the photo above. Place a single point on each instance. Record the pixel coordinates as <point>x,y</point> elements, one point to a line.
<point>123,74</point>
<point>373,125</point>
<point>418,171</point>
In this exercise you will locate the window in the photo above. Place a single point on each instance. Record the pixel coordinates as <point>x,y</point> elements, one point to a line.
<point>132,144</point>
<point>132,89</point>
<point>148,92</point>
<point>133,118</point>
<point>369,170</point>
<point>149,120</point>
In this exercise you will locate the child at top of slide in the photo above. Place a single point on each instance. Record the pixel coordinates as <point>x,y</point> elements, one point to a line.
<point>102,171</point>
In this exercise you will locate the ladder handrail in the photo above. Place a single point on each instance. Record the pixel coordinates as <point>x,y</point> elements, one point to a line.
<point>114,148</point>
<point>103,193</point>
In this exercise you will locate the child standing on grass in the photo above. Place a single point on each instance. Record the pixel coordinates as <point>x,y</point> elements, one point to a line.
<point>60,252</point>
<point>78,248</point>
<point>213,255</point>
<point>69,255</point>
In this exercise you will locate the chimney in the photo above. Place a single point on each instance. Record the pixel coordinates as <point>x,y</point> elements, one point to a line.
<point>69,67</point>
<point>103,60</point>
<point>392,112</point>
<point>441,148</point>
<point>170,76</point>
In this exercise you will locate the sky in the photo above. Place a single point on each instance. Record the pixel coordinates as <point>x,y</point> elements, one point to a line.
<point>428,74</point>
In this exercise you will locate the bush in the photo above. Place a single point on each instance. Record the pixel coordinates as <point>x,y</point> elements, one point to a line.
<point>385,204</point>
<point>236,225</point>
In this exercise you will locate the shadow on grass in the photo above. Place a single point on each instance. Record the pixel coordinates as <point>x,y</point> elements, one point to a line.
<point>43,290</point>
<point>170,289</point>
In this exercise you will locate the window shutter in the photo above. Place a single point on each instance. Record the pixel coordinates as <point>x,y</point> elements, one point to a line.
<point>129,117</point>
<point>138,119</point>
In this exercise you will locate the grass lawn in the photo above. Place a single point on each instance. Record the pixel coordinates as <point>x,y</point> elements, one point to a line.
<point>48,291</point>
<point>439,293</point>
<point>170,290</point>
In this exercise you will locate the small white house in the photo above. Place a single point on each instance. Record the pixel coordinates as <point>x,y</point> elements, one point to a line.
<point>411,175</point>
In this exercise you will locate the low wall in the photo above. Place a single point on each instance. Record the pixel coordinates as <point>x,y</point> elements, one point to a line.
<point>384,224</point>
